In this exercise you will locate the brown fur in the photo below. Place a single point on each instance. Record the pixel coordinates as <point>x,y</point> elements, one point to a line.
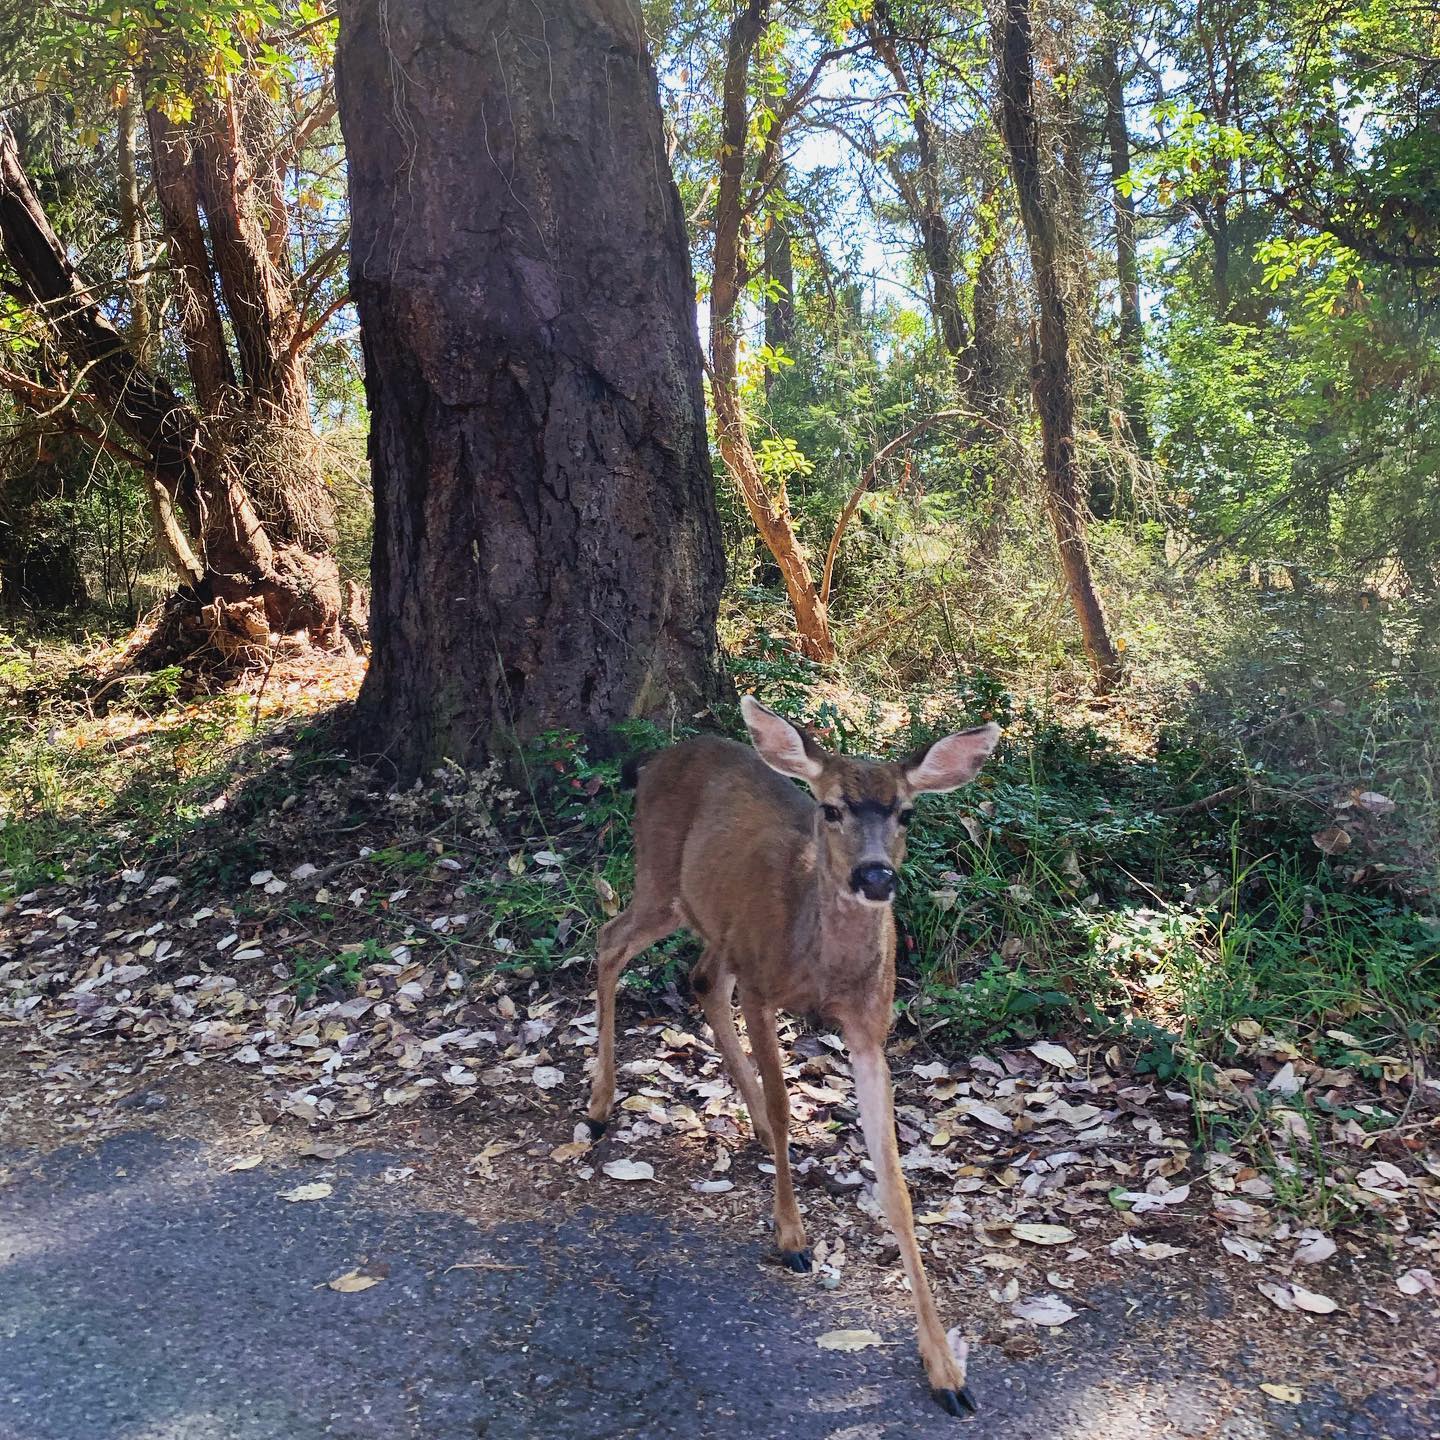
<point>731,849</point>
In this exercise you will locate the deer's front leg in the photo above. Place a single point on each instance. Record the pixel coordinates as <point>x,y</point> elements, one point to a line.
<point>765,1046</point>
<point>877,1119</point>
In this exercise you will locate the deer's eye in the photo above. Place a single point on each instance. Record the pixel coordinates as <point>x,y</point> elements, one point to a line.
<point>906,816</point>
<point>833,813</point>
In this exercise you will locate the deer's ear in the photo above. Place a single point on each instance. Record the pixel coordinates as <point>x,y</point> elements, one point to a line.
<point>952,761</point>
<point>780,744</point>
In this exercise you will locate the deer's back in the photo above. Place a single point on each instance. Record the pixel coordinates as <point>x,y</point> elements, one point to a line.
<point>723,834</point>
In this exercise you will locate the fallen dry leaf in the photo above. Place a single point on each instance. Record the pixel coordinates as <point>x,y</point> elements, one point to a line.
<point>629,1169</point>
<point>1309,1300</point>
<point>1316,1251</point>
<point>985,1114</point>
<point>1286,1394</point>
<point>1417,1282</point>
<point>1142,1201</point>
<point>1383,1178</point>
<point>849,1340</point>
<point>1043,1310</point>
<point>1246,1249</point>
<point>1052,1054</point>
<point>244,1162</point>
<point>1043,1234</point>
<point>317,1190</point>
<point>353,1281</point>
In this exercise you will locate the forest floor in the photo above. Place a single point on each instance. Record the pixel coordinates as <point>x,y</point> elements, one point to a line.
<point>288,1146</point>
<point>189,1252</point>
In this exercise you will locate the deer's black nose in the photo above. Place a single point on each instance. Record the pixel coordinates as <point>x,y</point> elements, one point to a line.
<point>874,882</point>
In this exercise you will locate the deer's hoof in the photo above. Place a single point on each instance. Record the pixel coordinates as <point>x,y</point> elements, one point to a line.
<point>956,1402</point>
<point>802,1262</point>
<point>597,1127</point>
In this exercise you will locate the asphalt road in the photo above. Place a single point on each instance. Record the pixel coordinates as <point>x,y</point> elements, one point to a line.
<point>144,1296</point>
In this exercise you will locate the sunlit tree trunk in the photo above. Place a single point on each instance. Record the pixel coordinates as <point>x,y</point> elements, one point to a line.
<point>769,510</point>
<point>1053,378</point>
<point>227,245</point>
<point>169,535</point>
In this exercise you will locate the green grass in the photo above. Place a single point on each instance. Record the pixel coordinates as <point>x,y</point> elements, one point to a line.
<point>1076,889</point>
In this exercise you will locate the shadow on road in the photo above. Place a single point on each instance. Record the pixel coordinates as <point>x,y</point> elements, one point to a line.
<point>143,1296</point>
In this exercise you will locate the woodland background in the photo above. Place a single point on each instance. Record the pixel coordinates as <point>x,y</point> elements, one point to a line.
<point>1073,365</point>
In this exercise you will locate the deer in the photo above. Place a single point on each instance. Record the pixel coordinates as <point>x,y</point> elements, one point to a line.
<point>791,896</point>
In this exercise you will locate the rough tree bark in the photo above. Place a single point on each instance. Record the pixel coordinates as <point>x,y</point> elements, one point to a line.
<point>1053,379</point>
<point>228,245</point>
<point>169,535</point>
<point>547,549</point>
<point>245,557</point>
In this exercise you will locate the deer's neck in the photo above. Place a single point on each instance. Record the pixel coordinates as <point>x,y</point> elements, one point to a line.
<point>852,936</point>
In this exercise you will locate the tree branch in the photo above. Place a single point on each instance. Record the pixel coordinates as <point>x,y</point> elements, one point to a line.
<point>867,479</point>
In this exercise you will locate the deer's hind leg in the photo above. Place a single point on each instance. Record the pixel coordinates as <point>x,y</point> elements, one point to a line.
<point>714,985</point>
<point>621,940</point>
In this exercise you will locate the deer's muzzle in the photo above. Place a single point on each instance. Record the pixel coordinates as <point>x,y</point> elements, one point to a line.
<point>874,882</point>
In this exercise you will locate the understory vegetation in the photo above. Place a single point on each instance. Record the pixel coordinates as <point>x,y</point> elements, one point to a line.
<point>1214,872</point>
<point>1070,365</point>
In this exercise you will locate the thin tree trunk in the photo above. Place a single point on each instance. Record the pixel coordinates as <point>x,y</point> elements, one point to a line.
<point>1117,140</point>
<point>1127,265</point>
<point>547,548</point>
<point>780,287</point>
<point>922,196</point>
<point>240,559</point>
<point>985,385</point>
<point>132,230</point>
<point>169,536</point>
<point>770,514</point>
<point>1053,374</point>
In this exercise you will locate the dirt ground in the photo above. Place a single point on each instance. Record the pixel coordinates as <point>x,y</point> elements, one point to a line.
<point>169,1274</point>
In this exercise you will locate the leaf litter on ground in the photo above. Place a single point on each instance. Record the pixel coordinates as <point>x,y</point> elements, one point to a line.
<point>1011,1154</point>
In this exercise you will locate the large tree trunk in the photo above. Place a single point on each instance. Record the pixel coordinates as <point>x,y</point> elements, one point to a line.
<point>288,584</point>
<point>769,512</point>
<point>1053,378</point>
<point>547,549</point>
